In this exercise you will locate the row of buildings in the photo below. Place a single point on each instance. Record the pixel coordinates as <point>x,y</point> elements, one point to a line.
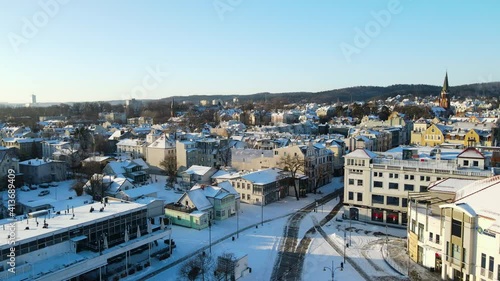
<point>443,196</point>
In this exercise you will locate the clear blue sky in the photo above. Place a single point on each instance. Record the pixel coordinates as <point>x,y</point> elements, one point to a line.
<point>102,50</point>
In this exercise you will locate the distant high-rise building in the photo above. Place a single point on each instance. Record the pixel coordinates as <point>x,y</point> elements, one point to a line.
<point>33,99</point>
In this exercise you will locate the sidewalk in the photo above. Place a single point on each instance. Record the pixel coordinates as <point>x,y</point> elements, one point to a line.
<point>398,258</point>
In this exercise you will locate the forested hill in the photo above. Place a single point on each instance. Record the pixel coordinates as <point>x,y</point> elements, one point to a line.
<point>361,93</point>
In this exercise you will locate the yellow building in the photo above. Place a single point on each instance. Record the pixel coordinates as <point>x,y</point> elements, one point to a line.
<point>432,136</point>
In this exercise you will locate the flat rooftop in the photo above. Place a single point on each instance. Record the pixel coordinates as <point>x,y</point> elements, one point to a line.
<point>64,222</point>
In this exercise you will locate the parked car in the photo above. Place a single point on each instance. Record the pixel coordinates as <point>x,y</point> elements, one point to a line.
<point>25,188</point>
<point>53,184</point>
<point>33,187</point>
<point>44,185</point>
<point>44,192</point>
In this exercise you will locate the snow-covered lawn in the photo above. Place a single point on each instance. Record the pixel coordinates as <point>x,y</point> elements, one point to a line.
<point>261,244</point>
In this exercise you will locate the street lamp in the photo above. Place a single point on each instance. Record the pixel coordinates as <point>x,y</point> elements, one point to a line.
<point>332,269</point>
<point>210,235</point>
<point>345,243</point>
<point>237,221</point>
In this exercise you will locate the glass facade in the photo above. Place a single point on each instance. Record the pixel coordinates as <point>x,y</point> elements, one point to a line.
<point>112,227</point>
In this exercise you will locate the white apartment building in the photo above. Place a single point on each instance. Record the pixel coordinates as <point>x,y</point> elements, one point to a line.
<point>134,147</point>
<point>376,186</point>
<point>158,150</point>
<point>264,186</point>
<point>424,232</point>
<point>458,239</point>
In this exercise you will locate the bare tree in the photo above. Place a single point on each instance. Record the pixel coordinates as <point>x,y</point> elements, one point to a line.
<point>97,187</point>
<point>199,266</point>
<point>169,164</point>
<point>321,174</point>
<point>91,168</point>
<point>78,187</point>
<point>225,151</point>
<point>225,266</point>
<point>293,165</point>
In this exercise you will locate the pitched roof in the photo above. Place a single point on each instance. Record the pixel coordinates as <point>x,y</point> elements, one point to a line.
<point>198,198</point>
<point>263,176</point>
<point>198,170</point>
<point>471,152</point>
<point>362,153</point>
<point>227,186</point>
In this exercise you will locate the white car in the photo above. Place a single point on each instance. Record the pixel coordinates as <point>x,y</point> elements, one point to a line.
<point>43,193</point>
<point>25,188</point>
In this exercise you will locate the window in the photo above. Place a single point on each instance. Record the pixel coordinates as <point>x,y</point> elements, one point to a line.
<point>409,187</point>
<point>360,182</point>
<point>377,199</point>
<point>456,228</point>
<point>377,184</point>
<point>377,215</point>
<point>404,202</point>
<point>430,236</point>
<point>475,163</point>
<point>360,196</point>
<point>396,176</point>
<point>428,178</point>
<point>466,162</point>
<point>455,253</point>
<point>413,223</point>
<point>423,188</point>
<point>420,232</point>
<point>483,261</point>
<point>391,200</point>
<point>437,239</point>
<point>393,185</point>
<point>351,181</point>
<point>351,195</point>
<point>492,264</point>
<point>391,175</point>
<point>422,178</point>
<point>409,177</point>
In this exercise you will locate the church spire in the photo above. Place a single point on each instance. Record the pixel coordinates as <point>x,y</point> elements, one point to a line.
<point>445,83</point>
<point>444,99</point>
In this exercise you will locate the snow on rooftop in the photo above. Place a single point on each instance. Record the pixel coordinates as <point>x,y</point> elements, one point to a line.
<point>263,176</point>
<point>362,153</point>
<point>198,198</point>
<point>450,185</point>
<point>36,162</point>
<point>63,222</point>
<point>197,170</point>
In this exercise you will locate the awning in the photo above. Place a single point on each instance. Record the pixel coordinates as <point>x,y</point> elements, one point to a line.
<point>78,238</point>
